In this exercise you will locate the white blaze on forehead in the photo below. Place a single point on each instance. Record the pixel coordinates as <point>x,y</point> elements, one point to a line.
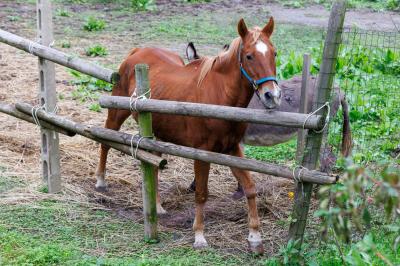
<point>261,47</point>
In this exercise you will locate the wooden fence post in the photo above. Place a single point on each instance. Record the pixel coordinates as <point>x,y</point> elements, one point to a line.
<point>149,180</point>
<point>313,138</point>
<point>50,154</point>
<point>305,83</point>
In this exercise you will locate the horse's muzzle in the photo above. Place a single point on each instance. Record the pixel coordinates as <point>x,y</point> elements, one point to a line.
<point>271,97</point>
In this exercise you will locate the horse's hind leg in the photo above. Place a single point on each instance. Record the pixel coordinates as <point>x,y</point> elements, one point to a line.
<point>160,209</point>
<point>115,119</point>
<point>245,180</point>
<point>201,170</point>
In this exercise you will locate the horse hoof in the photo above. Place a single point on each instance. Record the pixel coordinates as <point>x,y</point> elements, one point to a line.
<point>238,195</point>
<point>161,210</point>
<point>198,245</point>
<point>192,187</point>
<point>101,189</point>
<point>257,247</point>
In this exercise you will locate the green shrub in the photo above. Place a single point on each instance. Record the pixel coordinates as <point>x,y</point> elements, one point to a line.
<point>96,50</point>
<point>94,24</point>
<point>393,4</point>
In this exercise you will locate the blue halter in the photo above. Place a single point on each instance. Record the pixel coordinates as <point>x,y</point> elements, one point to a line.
<point>253,82</point>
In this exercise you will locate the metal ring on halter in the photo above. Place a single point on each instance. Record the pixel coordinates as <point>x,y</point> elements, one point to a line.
<point>316,111</point>
<point>134,153</point>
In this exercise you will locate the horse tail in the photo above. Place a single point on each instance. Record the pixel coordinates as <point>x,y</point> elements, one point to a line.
<point>347,142</point>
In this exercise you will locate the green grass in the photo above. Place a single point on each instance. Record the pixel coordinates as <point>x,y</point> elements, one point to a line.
<point>55,233</point>
<point>377,5</point>
<point>282,153</point>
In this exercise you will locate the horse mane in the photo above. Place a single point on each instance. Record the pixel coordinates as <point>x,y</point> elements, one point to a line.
<point>225,56</point>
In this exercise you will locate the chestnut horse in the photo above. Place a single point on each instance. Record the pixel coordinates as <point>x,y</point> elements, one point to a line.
<point>230,78</point>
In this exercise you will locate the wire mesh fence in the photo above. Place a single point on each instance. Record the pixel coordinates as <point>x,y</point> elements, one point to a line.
<point>368,72</point>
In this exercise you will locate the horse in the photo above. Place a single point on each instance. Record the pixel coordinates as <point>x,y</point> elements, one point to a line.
<point>267,135</point>
<point>230,78</point>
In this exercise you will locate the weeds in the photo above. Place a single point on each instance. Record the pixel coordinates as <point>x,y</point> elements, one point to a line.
<point>94,24</point>
<point>96,50</point>
<point>143,5</point>
<point>62,13</point>
<point>88,89</point>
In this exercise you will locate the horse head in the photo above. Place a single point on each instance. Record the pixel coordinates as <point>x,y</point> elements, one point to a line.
<point>257,62</point>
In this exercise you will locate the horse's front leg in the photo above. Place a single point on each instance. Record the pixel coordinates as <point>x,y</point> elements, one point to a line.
<point>201,170</point>
<point>246,181</point>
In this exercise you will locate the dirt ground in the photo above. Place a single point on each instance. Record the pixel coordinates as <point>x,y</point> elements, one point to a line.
<point>19,141</point>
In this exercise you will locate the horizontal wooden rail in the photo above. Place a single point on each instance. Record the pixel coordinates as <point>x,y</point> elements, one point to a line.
<point>58,57</point>
<point>315,177</point>
<point>68,127</point>
<point>257,116</point>
<point>11,110</point>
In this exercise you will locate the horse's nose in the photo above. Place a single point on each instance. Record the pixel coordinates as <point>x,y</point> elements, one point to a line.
<point>268,95</point>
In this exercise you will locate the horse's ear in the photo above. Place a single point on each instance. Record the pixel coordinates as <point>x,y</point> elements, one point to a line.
<point>269,28</point>
<point>191,52</point>
<point>242,28</point>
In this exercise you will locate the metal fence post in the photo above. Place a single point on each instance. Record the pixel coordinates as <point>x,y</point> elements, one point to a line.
<point>313,138</point>
<point>50,154</point>
<point>149,186</point>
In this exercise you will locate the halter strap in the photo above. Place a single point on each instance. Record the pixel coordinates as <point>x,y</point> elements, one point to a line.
<point>252,81</point>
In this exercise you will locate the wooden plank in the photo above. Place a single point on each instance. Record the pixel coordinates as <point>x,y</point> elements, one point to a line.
<point>149,185</point>
<point>58,57</point>
<point>213,157</point>
<point>303,108</point>
<point>314,139</point>
<point>50,153</point>
<point>69,126</point>
<point>215,111</point>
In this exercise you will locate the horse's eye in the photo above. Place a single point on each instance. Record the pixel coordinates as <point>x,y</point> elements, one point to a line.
<point>276,53</point>
<point>249,57</point>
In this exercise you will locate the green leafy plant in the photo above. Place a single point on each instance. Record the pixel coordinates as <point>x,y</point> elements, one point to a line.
<point>62,13</point>
<point>66,45</point>
<point>88,89</point>
<point>94,24</point>
<point>95,107</point>
<point>345,208</point>
<point>143,5</point>
<point>96,50</point>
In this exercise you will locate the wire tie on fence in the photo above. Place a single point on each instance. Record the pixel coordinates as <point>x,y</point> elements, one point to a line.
<point>134,98</point>
<point>30,47</point>
<point>134,151</point>
<point>298,177</point>
<point>316,111</point>
<point>35,109</point>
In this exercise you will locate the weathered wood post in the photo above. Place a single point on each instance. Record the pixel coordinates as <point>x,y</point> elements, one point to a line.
<point>313,138</point>
<point>149,180</point>
<point>305,83</point>
<point>50,154</point>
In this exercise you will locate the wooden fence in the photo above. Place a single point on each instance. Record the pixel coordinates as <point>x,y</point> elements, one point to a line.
<point>52,123</point>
